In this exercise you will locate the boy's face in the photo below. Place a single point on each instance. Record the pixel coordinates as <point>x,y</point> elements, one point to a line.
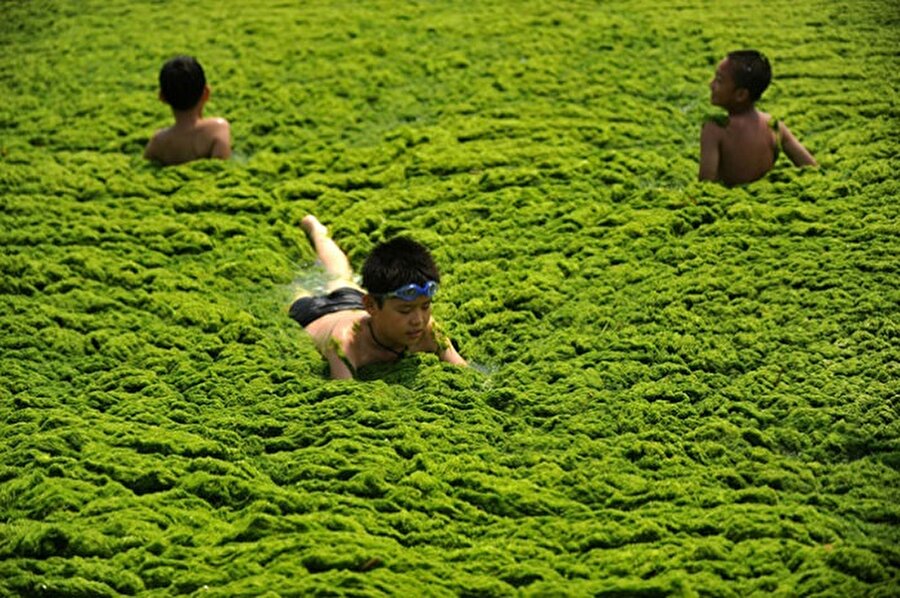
<point>723,89</point>
<point>401,322</point>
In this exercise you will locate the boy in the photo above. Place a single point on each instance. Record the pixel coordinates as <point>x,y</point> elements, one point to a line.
<point>352,327</point>
<point>743,146</point>
<point>182,85</point>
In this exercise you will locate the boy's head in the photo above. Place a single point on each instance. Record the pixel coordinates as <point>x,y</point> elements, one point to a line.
<point>751,71</point>
<point>397,264</point>
<point>182,82</point>
<point>401,278</point>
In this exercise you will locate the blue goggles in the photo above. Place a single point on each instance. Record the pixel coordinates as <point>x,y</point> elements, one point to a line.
<point>411,291</point>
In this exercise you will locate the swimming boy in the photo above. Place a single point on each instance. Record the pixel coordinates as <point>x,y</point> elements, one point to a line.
<point>353,327</point>
<point>743,146</point>
<point>182,85</point>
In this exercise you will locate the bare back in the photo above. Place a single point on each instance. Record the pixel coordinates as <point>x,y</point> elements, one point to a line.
<point>334,335</point>
<point>747,147</point>
<point>207,138</point>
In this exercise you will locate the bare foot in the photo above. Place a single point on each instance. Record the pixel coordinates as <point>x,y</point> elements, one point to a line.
<point>313,227</point>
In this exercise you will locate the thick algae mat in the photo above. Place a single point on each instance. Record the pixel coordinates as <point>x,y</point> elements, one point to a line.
<point>681,389</point>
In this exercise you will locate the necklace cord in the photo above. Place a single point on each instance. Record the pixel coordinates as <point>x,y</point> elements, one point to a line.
<point>382,345</point>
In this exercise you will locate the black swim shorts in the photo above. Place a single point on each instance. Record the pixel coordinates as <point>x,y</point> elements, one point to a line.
<point>307,310</point>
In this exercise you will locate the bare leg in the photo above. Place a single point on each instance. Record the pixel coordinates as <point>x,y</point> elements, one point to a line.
<point>337,266</point>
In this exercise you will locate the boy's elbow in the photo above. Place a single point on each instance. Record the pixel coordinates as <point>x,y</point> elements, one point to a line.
<point>340,373</point>
<point>458,360</point>
<point>451,356</point>
<point>337,368</point>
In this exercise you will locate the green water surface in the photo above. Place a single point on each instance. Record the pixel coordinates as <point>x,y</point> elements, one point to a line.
<point>682,389</point>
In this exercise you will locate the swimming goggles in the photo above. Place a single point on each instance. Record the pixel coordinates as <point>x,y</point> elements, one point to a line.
<point>410,291</point>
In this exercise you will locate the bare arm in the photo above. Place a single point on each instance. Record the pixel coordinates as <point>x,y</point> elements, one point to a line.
<point>150,152</point>
<point>221,145</point>
<point>331,349</point>
<point>445,349</point>
<point>450,355</point>
<point>340,370</point>
<point>709,151</point>
<point>798,154</point>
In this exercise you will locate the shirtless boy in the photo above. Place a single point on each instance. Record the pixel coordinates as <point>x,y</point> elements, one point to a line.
<point>353,327</point>
<point>182,85</point>
<point>743,146</point>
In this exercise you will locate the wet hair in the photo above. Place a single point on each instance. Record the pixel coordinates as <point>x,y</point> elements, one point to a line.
<point>751,70</point>
<point>181,81</point>
<point>396,263</point>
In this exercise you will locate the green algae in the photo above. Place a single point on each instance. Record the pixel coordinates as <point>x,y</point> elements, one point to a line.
<point>683,390</point>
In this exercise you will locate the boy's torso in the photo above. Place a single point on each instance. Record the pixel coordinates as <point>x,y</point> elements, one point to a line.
<point>174,145</point>
<point>346,330</point>
<point>747,148</point>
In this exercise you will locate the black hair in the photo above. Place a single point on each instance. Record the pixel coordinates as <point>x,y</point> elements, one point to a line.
<point>751,70</point>
<point>181,81</point>
<point>396,263</point>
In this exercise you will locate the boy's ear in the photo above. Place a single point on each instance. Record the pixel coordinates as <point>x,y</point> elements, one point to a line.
<point>206,92</point>
<point>742,94</point>
<point>369,304</point>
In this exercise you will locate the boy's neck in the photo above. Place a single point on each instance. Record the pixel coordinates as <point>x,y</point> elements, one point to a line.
<point>741,109</point>
<point>187,118</point>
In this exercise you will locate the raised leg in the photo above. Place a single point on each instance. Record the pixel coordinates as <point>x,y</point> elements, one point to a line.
<point>336,264</point>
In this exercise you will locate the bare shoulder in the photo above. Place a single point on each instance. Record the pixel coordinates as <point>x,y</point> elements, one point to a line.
<point>215,124</point>
<point>770,121</point>
<point>782,127</point>
<point>218,132</point>
<point>714,125</point>
<point>715,121</point>
<point>152,150</point>
<point>340,326</point>
<point>712,131</point>
<point>160,135</point>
